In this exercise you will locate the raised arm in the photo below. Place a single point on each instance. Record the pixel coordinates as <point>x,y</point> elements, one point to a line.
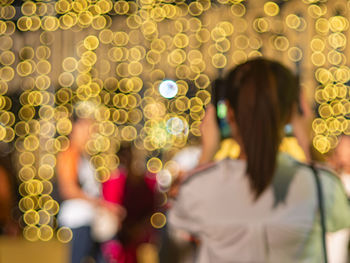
<point>210,136</point>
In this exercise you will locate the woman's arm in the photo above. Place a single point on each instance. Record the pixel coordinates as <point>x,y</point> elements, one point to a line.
<point>210,136</point>
<point>67,173</point>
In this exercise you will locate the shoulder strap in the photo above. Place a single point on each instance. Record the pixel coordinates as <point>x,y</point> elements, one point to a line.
<point>322,211</point>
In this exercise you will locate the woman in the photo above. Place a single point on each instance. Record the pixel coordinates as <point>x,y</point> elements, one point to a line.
<point>81,193</point>
<point>261,207</point>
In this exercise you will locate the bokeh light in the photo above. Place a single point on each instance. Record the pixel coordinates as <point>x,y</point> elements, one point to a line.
<point>168,89</point>
<point>143,70</point>
<point>158,220</point>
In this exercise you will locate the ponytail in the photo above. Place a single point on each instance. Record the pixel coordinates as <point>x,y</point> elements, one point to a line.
<point>254,90</point>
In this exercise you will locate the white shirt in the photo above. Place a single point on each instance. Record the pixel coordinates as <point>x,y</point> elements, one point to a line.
<point>217,206</point>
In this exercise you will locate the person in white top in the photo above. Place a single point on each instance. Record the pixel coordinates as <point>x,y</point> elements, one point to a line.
<point>263,206</point>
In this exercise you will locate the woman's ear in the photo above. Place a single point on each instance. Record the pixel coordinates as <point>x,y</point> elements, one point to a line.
<point>293,113</point>
<point>231,118</point>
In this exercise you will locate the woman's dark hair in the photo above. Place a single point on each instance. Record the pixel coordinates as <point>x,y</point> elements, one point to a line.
<point>262,94</point>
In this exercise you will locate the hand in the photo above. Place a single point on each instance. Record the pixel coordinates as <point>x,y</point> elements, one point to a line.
<point>210,135</point>
<point>116,209</point>
<point>175,186</point>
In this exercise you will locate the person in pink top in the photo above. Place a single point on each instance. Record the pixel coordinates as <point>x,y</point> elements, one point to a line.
<point>132,187</point>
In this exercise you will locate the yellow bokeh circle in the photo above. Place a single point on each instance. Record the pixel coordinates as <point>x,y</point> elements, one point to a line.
<point>31,233</point>
<point>154,165</point>
<point>158,220</point>
<point>64,234</point>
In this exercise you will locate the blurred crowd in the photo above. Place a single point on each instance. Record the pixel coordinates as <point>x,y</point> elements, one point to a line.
<point>111,221</point>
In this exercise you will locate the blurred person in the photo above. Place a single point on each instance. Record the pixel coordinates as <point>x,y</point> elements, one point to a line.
<point>80,192</point>
<point>179,245</point>
<point>338,243</point>
<point>8,223</point>
<point>132,187</point>
<point>340,161</point>
<point>262,206</point>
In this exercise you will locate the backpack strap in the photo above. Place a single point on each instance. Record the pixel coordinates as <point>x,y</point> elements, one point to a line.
<point>322,211</point>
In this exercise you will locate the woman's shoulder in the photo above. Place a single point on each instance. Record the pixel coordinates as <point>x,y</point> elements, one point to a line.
<point>332,187</point>
<point>190,178</point>
<point>321,169</point>
<point>288,162</point>
<point>211,170</point>
<point>69,153</point>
